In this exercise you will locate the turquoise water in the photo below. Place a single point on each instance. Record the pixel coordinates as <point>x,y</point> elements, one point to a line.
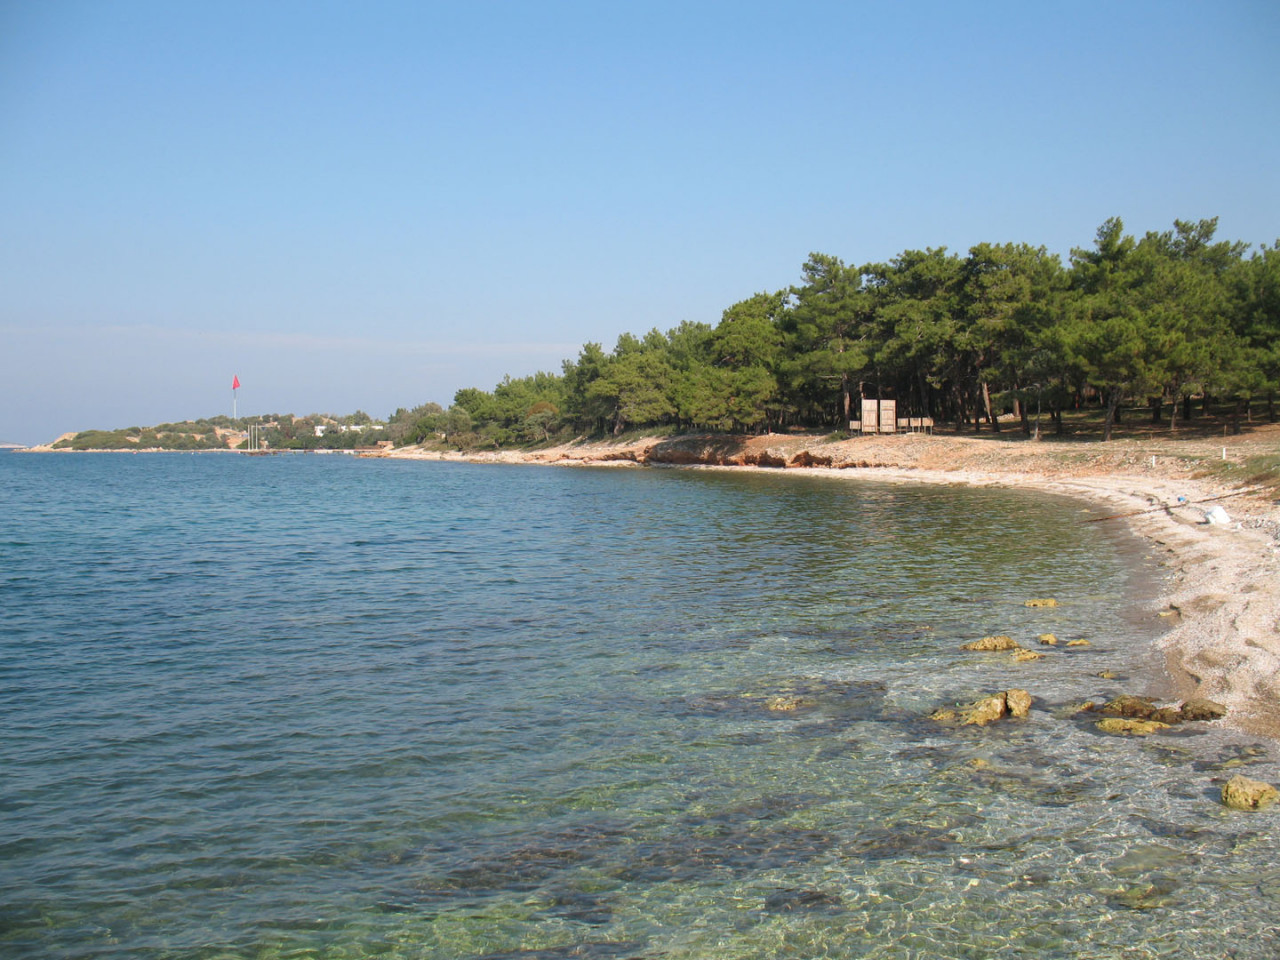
<point>318,707</point>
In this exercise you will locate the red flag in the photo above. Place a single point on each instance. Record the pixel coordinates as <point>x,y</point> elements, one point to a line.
<point>235,382</point>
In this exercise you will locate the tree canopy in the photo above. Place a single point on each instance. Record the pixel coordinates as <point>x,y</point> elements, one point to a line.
<point>1147,321</point>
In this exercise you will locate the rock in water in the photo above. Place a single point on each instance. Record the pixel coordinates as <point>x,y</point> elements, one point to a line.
<point>1142,708</point>
<point>1013,703</point>
<point>1130,706</point>
<point>1048,639</point>
<point>992,643</point>
<point>785,704</point>
<point>1018,702</point>
<point>981,712</point>
<point>1129,727</point>
<point>1203,710</point>
<point>1043,602</point>
<point>1241,793</point>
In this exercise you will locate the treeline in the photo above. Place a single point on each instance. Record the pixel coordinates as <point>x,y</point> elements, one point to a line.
<point>1008,328</point>
<point>278,431</point>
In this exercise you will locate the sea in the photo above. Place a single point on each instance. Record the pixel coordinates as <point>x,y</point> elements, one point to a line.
<point>314,706</point>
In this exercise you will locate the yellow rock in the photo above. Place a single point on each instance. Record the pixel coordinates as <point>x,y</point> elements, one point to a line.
<point>1044,602</point>
<point>984,711</point>
<point>1048,639</point>
<point>783,703</point>
<point>1013,703</point>
<point>1026,656</point>
<point>1079,643</point>
<point>992,643</point>
<point>1128,726</point>
<point>1241,793</point>
<point>1018,702</point>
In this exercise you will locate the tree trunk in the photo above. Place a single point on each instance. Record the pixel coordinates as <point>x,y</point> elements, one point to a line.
<point>1173,415</point>
<point>1113,408</point>
<point>1235,417</point>
<point>1271,406</point>
<point>1026,422</point>
<point>846,396</point>
<point>986,403</point>
<point>1157,409</point>
<point>1186,408</point>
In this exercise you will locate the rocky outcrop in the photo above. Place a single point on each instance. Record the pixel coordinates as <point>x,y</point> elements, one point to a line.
<point>1241,793</point>
<point>1011,703</point>
<point>1043,602</point>
<point>765,458</point>
<point>1128,714</point>
<point>807,458</point>
<point>1141,708</point>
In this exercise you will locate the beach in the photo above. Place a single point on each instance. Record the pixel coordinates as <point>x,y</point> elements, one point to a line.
<point>1221,599</point>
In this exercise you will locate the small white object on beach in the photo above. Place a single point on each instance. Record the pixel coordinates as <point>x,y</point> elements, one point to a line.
<point>1217,516</point>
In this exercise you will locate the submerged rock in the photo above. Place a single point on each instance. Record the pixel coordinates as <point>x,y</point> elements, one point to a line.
<point>1199,709</point>
<point>992,643</point>
<point>1241,793</point>
<point>1025,656</point>
<point>784,704</point>
<point>1042,602</point>
<point>1079,643</point>
<point>1048,639</point>
<point>1130,727</point>
<point>1142,708</point>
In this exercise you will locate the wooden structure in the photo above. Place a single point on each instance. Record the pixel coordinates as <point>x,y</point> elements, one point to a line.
<point>881,416</point>
<point>878,416</point>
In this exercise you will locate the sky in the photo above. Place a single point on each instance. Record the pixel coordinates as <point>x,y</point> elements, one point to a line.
<point>370,205</point>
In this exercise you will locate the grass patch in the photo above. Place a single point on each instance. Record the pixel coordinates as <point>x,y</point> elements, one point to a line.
<point>1260,470</point>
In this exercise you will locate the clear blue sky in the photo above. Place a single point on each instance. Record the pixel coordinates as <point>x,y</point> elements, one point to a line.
<point>371,204</point>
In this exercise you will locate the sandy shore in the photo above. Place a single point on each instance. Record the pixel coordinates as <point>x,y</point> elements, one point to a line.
<point>1222,599</point>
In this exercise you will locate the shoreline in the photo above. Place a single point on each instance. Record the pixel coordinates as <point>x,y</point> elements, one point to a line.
<point>1222,595</point>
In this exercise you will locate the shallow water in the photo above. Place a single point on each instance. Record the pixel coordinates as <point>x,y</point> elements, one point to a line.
<point>317,707</point>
